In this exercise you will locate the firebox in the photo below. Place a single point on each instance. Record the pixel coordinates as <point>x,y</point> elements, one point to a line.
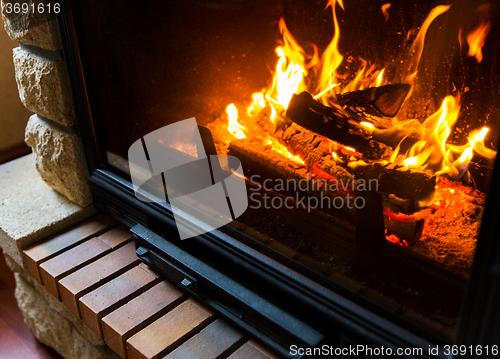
<point>366,131</point>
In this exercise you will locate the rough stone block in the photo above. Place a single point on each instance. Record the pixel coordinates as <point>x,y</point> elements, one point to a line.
<point>53,329</point>
<point>30,210</point>
<point>43,86</point>
<point>59,159</point>
<point>33,27</point>
<point>55,304</point>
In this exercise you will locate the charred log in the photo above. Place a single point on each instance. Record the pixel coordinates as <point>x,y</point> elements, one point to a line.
<point>382,101</point>
<point>262,159</point>
<point>402,189</point>
<point>334,124</point>
<point>408,191</point>
<point>324,179</point>
<point>410,230</point>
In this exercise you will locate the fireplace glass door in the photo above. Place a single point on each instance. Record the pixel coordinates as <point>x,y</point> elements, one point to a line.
<point>363,132</point>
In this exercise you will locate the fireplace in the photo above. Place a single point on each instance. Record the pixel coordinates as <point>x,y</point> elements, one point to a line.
<point>367,134</point>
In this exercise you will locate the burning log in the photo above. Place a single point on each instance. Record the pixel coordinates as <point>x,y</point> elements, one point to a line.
<point>406,228</point>
<point>406,191</point>
<point>324,179</point>
<point>334,124</point>
<point>353,125</point>
<point>383,101</point>
<point>259,158</point>
<point>402,189</point>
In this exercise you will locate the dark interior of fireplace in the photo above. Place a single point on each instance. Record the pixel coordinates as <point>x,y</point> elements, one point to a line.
<point>407,253</point>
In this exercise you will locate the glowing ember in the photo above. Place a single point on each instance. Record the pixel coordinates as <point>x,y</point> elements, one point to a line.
<point>233,126</point>
<point>278,147</point>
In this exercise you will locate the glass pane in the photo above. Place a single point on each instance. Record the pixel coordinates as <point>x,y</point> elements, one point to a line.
<point>366,132</point>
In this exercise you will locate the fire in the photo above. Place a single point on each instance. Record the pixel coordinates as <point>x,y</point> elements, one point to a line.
<point>278,147</point>
<point>432,152</point>
<point>292,73</point>
<point>477,37</point>
<point>258,104</point>
<point>233,126</point>
<point>380,78</point>
<point>290,70</point>
<point>418,45</point>
<point>385,11</point>
<point>331,58</point>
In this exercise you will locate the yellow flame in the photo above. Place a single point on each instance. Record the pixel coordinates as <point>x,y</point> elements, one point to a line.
<point>278,147</point>
<point>331,58</point>
<point>412,161</point>
<point>258,104</point>
<point>233,126</point>
<point>273,113</point>
<point>336,157</point>
<point>325,91</point>
<point>477,143</point>
<point>433,151</point>
<point>380,77</point>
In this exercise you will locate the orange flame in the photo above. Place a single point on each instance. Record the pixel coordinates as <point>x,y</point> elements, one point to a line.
<point>385,11</point>
<point>418,45</point>
<point>477,37</point>
<point>233,126</point>
<point>431,152</point>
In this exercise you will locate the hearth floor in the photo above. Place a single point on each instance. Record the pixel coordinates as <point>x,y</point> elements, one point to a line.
<point>93,270</point>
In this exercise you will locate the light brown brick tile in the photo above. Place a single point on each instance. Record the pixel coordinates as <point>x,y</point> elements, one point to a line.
<point>39,253</point>
<point>212,342</point>
<point>132,317</point>
<point>109,296</point>
<point>116,237</point>
<point>253,350</point>
<point>88,278</point>
<point>70,261</point>
<point>169,331</point>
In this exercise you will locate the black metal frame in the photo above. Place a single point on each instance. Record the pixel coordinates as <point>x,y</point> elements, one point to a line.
<point>346,321</point>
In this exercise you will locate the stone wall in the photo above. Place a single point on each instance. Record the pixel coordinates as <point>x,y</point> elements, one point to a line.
<point>31,209</point>
<point>53,324</point>
<point>43,87</point>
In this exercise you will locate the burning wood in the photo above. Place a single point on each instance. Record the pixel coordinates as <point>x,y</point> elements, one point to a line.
<point>348,130</point>
<point>382,101</point>
<point>258,158</point>
<point>334,124</point>
<point>407,191</point>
